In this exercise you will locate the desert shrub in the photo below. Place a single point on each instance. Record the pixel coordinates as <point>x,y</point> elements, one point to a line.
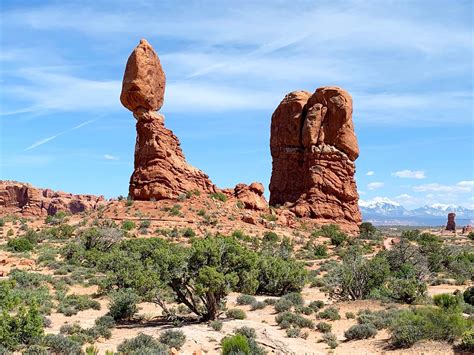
<point>236,344</point>
<point>128,225</point>
<point>467,340</point>
<point>20,244</point>
<point>2,222</point>
<point>123,304</point>
<point>247,332</point>
<point>283,305</point>
<point>189,233</point>
<point>236,313</point>
<point>295,298</point>
<point>219,196</point>
<point>58,218</point>
<point>427,323</point>
<point>350,315</point>
<point>21,328</point>
<point>304,309</point>
<point>270,301</point>
<point>216,325</point>
<point>293,332</point>
<point>333,232</point>
<point>330,313</point>
<point>379,319</point>
<point>411,234</point>
<point>288,319</point>
<point>245,300</point>
<point>278,276</point>
<point>357,276</point>
<point>360,331</point>
<point>468,295</point>
<point>316,305</point>
<point>257,305</point>
<point>270,237</point>
<point>324,327</point>
<point>34,349</point>
<point>471,235</point>
<point>142,344</point>
<point>60,344</point>
<point>100,238</point>
<point>173,338</point>
<point>72,304</point>
<point>106,321</point>
<point>367,230</point>
<point>145,224</point>
<point>447,301</point>
<point>330,339</point>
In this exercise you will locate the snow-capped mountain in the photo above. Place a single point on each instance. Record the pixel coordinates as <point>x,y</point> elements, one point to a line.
<point>383,211</point>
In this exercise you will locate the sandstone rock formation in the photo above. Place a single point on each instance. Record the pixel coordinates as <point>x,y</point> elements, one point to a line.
<point>161,170</point>
<point>467,229</point>
<point>451,225</point>
<point>24,198</point>
<point>313,146</point>
<point>251,196</point>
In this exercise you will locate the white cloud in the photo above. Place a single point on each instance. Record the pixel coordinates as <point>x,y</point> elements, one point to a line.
<point>110,157</point>
<point>410,174</point>
<point>375,185</point>
<point>370,173</point>
<point>461,186</point>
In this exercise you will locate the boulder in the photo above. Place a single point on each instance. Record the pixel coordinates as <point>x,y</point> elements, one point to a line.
<point>251,196</point>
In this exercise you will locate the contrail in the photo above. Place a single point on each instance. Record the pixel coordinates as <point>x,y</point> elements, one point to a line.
<point>48,139</point>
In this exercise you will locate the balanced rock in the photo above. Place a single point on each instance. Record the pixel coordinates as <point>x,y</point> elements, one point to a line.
<point>28,200</point>
<point>451,225</point>
<point>313,146</point>
<point>160,168</point>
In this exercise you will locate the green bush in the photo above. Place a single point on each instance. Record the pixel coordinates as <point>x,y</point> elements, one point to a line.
<point>467,340</point>
<point>367,230</point>
<point>293,332</point>
<point>360,331</point>
<point>247,332</point>
<point>330,339</point>
<point>216,325</point>
<point>283,305</point>
<point>350,315</point>
<point>173,338</point>
<point>287,319</point>
<point>379,319</point>
<point>333,232</point>
<point>245,300</point>
<point>236,313</point>
<point>123,304</point>
<point>142,344</point>
<point>236,344</point>
<point>330,313</point>
<point>447,301</point>
<point>128,225</point>
<point>20,244</point>
<point>468,295</point>
<point>295,298</point>
<point>471,235</point>
<point>324,327</point>
<point>428,323</point>
<point>219,196</point>
<point>21,328</point>
<point>189,233</point>
<point>316,305</point>
<point>257,305</point>
<point>278,276</point>
<point>72,304</point>
<point>60,344</point>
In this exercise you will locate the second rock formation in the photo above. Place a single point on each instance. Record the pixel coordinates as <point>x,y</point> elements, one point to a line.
<point>313,146</point>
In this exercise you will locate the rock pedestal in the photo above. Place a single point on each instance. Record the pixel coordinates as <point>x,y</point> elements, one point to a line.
<point>313,146</point>
<point>160,168</point>
<point>451,225</point>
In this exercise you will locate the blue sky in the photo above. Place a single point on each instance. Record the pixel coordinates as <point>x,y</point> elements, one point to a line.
<point>407,64</point>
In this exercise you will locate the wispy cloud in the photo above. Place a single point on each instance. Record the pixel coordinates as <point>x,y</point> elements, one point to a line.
<point>461,186</point>
<point>370,173</point>
<point>375,185</point>
<point>48,139</point>
<point>110,157</point>
<point>410,174</point>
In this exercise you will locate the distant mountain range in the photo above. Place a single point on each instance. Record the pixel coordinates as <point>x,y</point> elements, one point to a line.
<point>383,211</point>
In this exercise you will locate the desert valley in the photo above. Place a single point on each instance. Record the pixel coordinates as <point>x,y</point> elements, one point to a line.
<point>181,266</point>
